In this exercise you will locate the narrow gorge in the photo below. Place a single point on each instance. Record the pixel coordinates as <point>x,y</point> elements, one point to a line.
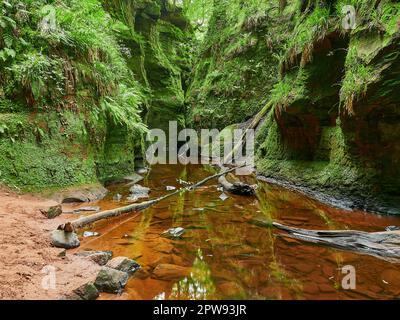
<point>82,82</point>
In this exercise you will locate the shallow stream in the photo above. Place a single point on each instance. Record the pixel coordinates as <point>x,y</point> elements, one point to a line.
<point>223,256</point>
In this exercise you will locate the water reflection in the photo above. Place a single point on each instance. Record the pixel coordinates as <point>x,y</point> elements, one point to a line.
<point>198,286</point>
<point>230,258</point>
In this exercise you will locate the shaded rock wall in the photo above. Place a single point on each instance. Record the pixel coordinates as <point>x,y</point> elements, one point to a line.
<point>333,126</point>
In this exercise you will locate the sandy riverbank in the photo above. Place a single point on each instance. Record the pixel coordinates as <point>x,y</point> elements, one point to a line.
<point>25,249</point>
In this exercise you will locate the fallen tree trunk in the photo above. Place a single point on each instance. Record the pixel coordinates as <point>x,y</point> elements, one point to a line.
<point>84,221</point>
<point>383,245</point>
<point>240,188</point>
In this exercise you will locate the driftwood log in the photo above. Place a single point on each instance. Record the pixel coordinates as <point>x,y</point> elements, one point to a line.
<point>383,245</point>
<point>84,221</point>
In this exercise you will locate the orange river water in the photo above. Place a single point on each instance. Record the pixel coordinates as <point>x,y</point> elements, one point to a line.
<point>222,256</point>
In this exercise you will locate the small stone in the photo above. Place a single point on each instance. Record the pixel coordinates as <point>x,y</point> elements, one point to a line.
<point>66,240</point>
<point>173,233</point>
<point>111,280</point>
<point>170,188</point>
<point>99,257</point>
<point>138,189</point>
<point>52,212</point>
<point>87,292</point>
<point>117,197</point>
<point>138,192</point>
<point>123,264</point>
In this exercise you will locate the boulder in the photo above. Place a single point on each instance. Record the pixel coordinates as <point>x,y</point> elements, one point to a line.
<point>99,257</point>
<point>52,212</point>
<point>65,240</point>
<point>170,272</point>
<point>123,264</point>
<point>87,194</point>
<point>87,292</point>
<point>111,280</point>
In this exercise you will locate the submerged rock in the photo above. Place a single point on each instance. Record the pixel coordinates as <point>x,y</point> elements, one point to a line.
<point>52,212</point>
<point>111,280</point>
<point>99,257</point>
<point>173,233</point>
<point>170,272</point>
<point>65,240</point>
<point>123,264</point>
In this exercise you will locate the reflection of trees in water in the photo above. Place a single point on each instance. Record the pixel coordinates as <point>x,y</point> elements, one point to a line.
<point>279,277</point>
<point>198,286</point>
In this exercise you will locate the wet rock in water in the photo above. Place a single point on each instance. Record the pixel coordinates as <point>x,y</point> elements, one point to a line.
<point>87,292</point>
<point>88,234</point>
<point>87,209</point>
<point>99,257</point>
<point>170,272</point>
<point>242,189</point>
<point>138,192</point>
<point>110,280</point>
<point>52,212</point>
<point>123,264</point>
<point>173,233</point>
<point>392,228</point>
<point>117,197</point>
<point>65,240</point>
<point>141,274</point>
